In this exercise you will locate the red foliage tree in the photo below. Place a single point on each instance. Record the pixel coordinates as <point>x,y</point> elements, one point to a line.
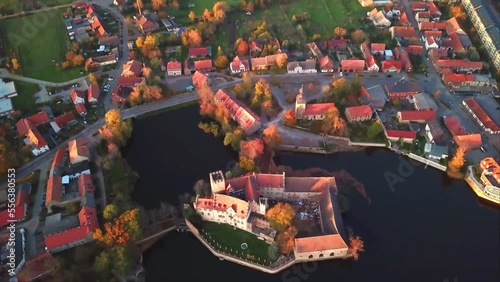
<point>252,148</point>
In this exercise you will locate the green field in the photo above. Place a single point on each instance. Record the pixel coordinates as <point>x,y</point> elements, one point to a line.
<point>37,45</point>
<point>25,99</point>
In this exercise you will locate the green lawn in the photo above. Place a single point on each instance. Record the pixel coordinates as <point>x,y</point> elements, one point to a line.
<point>366,131</point>
<point>49,42</point>
<point>231,239</point>
<point>25,99</point>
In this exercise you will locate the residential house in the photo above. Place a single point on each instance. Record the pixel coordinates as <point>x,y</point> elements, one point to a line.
<point>20,205</point>
<point>414,50</point>
<point>358,113</point>
<point>484,120</point>
<point>352,65</point>
<point>430,43</point>
<point>315,51</point>
<point>97,62</point>
<point>337,44</point>
<point>437,26</point>
<point>434,131</point>
<point>27,127</point>
<point>437,34</point>
<point>146,25</point>
<point>435,152</point>
<point>254,48</point>
<point>62,121</point>
<point>78,151</point>
<point>422,17</point>
<point>378,18</point>
<point>402,32</point>
<point>199,79</point>
<point>200,52</point>
<point>7,91</point>
<point>403,18</point>
<point>174,68</point>
<point>264,63</point>
<point>435,54</point>
<point>247,120</point>
<point>326,64</point>
<point>461,137</point>
<point>416,116</point>
<point>369,59</point>
<point>81,109</point>
<point>204,65</point>
<point>109,40</point>
<point>458,65</point>
<point>402,55</point>
<point>124,87</point>
<point>459,80</point>
<point>456,33</point>
<point>55,190</point>
<point>403,135</point>
<point>77,96</point>
<point>239,66</point>
<point>132,68</point>
<point>374,97</point>
<point>311,111</point>
<point>403,89</point>
<point>93,94</point>
<point>391,66</point>
<point>307,66</point>
<point>377,48</point>
<point>487,26</point>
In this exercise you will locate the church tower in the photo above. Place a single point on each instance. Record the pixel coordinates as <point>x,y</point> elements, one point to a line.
<point>217,182</point>
<point>300,104</point>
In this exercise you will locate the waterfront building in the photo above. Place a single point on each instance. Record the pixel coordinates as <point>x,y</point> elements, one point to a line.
<point>480,116</point>
<point>247,120</point>
<point>242,202</point>
<point>311,111</point>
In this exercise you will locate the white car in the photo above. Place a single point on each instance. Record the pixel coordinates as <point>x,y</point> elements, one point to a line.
<point>110,78</point>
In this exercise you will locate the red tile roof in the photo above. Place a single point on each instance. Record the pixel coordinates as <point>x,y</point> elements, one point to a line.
<point>432,25</point>
<point>85,184</point>
<point>221,202</point>
<point>491,165</point>
<point>359,111</point>
<point>58,157</point>
<point>129,81</point>
<point>433,33</point>
<point>64,119</point>
<point>78,148</point>
<point>401,134</point>
<point>54,189</point>
<point>237,63</point>
<point>438,53</point>
<point>419,7</point>
<point>317,109</point>
<point>417,115</point>
<point>132,68</point>
<point>457,79</point>
<point>415,49</point>
<point>404,32</point>
<point>93,92</point>
<point>320,243</point>
<point>39,118</point>
<point>453,26</point>
<point>203,64</point>
<point>458,64</point>
<point>481,114</point>
<point>36,138</point>
<point>454,126</point>
<point>75,94</point>
<point>326,63</point>
<point>174,65</point>
<point>80,109</point>
<point>457,44</point>
<point>353,64</point>
<point>19,214</point>
<point>199,79</point>
<point>243,116</point>
<point>469,141</point>
<point>380,47</point>
<point>392,65</point>
<point>198,52</point>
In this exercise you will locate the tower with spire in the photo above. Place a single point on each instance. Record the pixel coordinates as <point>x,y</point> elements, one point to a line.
<point>300,104</point>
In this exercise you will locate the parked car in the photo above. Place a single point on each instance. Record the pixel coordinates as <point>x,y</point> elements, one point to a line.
<point>389,75</point>
<point>110,78</point>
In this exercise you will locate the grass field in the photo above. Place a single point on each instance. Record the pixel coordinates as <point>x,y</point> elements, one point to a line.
<point>25,99</point>
<point>49,42</point>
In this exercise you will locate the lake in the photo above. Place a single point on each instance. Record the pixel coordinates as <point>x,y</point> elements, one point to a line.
<point>425,228</point>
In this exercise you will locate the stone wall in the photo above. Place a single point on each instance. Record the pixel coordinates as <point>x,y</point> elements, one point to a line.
<point>427,162</point>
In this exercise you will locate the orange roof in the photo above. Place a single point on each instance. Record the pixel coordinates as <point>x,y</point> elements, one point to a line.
<point>456,43</point>
<point>353,63</point>
<point>483,117</point>
<point>85,184</point>
<point>80,108</point>
<point>174,65</point>
<point>39,118</point>
<point>491,165</point>
<point>392,65</point>
<point>432,25</point>
<point>469,141</point>
<point>434,33</point>
<point>58,157</point>
<point>93,92</point>
<point>417,115</point>
<point>326,63</point>
<point>237,63</point>
<point>377,47</point>
<point>221,202</point>
<point>244,117</point>
<point>198,52</point>
<point>317,109</point>
<point>78,148</point>
<point>64,119</point>
<point>404,32</point>
<point>457,78</point>
<point>203,64</point>
<point>36,138</point>
<point>359,111</point>
<point>54,189</point>
<point>75,94</point>
<point>130,81</point>
<point>458,64</point>
<point>320,243</point>
<point>199,79</point>
<point>453,26</point>
<point>132,68</point>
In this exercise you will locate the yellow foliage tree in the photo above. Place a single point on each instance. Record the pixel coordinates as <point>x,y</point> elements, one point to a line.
<point>280,216</point>
<point>272,136</point>
<point>458,161</point>
<point>92,79</point>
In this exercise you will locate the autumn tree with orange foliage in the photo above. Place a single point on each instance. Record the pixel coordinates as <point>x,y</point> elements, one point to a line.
<point>458,161</point>
<point>281,61</point>
<point>221,61</point>
<point>340,32</point>
<point>458,12</point>
<point>289,118</point>
<point>280,216</point>
<point>272,136</point>
<point>252,149</point>
<point>286,240</point>
<point>262,93</point>
<point>121,230</point>
<point>206,100</point>
<point>333,123</point>
<point>241,47</point>
<point>191,37</point>
<point>356,246</point>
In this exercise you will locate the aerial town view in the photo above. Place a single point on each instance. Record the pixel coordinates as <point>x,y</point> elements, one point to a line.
<point>251,140</point>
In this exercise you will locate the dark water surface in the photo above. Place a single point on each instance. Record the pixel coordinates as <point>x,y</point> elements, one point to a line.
<point>428,228</point>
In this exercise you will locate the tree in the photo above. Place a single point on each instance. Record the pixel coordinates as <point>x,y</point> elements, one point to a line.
<point>281,60</point>
<point>147,72</point>
<point>280,216</point>
<point>356,245</point>
<point>122,259</point>
<point>201,188</point>
<point>358,36</point>
<point>192,16</point>
<point>206,100</point>
<point>102,263</point>
<point>233,138</point>
<point>458,12</point>
<point>15,64</point>
<point>261,94</point>
<point>191,37</point>
<point>241,47</point>
<point>221,62</point>
<point>158,4</point>
<point>272,136</point>
<point>286,240</point>
<point>252,149</point>
<point>207,15</point>
<point>458,161</point>
<point>121,230</point>
<point>92,79</point>
<point>374,129</point>
<point>116,130</point>
<point>247,164</point>
<point>70,55</point>
<point>289,118</point>
<point>340,32</point>
<point>110,212</point>
<point>78,60</point>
